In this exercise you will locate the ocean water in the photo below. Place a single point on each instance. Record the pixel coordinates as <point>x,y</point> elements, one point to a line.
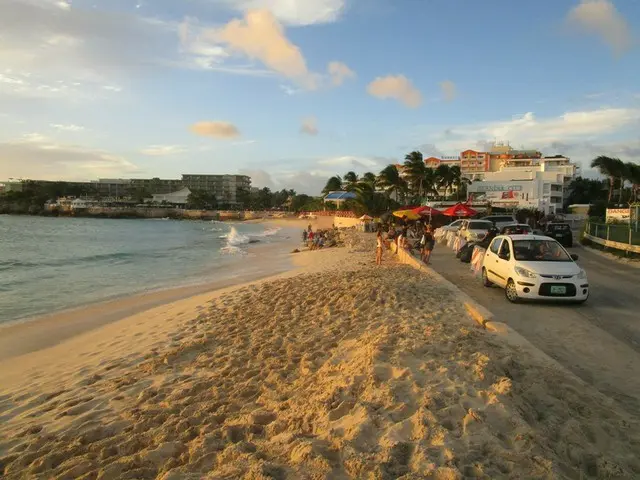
<point>53,264</point>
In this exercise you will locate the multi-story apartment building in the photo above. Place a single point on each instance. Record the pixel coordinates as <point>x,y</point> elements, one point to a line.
<point>224,187</point>
<point>112,187</point>
<point>156,185</point>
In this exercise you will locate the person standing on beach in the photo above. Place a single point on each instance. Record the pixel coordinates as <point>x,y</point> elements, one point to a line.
<point>379,246</point>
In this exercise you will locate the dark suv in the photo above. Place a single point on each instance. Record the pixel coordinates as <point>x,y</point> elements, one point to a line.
<point>561,232</point>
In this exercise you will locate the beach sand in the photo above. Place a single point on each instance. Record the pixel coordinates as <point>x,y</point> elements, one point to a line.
<point>338,370</point>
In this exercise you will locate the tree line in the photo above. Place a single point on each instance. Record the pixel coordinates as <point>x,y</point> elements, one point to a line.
<point>410,184</point>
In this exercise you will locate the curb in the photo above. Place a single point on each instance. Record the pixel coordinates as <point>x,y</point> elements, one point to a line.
<point>477,312</point>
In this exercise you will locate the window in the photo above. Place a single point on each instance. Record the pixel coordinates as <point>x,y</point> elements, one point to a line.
<point>495,245</point>
<point>480,225</point>
<point>505,251</point>
<point>540,251</point>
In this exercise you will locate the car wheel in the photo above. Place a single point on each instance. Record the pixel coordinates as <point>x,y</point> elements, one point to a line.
<point>485,279</point>
<point>511,293</point>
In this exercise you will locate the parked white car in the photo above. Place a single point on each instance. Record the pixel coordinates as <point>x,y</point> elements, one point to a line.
<point>534,267</point>
<point>453,226</point>
<point>474,230</point>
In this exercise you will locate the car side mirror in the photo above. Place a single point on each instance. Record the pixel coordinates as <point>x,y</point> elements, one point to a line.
<point>574,257</point>
<point>504,256</point>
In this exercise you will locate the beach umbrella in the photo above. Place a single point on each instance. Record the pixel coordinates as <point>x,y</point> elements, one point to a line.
<point>459,210</point>
<point>426,211</point>
<point>410,214</point>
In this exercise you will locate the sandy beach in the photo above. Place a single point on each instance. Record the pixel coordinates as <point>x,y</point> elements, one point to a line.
<point>335,370</point>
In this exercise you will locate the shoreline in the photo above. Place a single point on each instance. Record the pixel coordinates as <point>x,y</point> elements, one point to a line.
<point>30,334</point>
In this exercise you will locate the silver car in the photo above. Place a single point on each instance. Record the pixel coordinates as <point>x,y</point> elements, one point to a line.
<point>500,221</point>
<point>474,230</point>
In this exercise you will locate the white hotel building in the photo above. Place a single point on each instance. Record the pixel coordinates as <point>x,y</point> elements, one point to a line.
<point>540,183</point>
<point>506,177</point>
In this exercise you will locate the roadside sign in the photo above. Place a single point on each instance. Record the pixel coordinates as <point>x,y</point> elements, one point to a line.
<point>618,215</point>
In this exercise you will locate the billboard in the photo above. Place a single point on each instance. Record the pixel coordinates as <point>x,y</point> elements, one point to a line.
<point>498,193</point>
<point>618,215</point>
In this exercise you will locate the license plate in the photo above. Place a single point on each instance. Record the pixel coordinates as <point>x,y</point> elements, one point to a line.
<point>558,289</point>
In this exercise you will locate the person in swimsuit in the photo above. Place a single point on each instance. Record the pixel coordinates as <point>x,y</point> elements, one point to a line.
<point>379,246</point>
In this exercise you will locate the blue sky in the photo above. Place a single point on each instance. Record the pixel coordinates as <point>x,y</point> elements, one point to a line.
<point>292,91</point>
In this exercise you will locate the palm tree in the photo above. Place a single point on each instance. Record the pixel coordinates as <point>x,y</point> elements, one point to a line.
<point>609,167</point>
<point>391,181</point>
<point>350,180</point>
<point>586,190</point>
<point>430,181</point>
<point>368,200</point>
<point>458,180</point>
<point>333,184</point>
<point>633,177</point>
<point>415,170</point>
<point>445,177</point>
<point>369,178</point>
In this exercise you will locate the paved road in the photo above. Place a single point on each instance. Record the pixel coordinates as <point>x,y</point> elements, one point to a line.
<point>598,341</point>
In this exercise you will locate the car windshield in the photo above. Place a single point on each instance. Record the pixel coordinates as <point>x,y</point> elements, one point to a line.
<point>480,225</point>
<point>540,251</point>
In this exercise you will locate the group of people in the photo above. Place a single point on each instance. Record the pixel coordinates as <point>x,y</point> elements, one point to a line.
<point>318,239</point>
<point>407,237</point>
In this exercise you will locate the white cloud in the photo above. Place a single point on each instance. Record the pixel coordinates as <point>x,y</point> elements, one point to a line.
<point>294,12</point>
<point>310,175</point>
<point>397,87</point>
<point>215,129</point>
<point>345,163</point>
<point>54,50</point>
<point>288,90</point>
<point>67,128</point>
<point>309,126</point>
<point>36,157</point>
<point>29,85</point>
<point>449,90</point>
<point>163,150</point>
<point>258,37</point>
<point>243,143</point>
<point>339,72</point>
<point>529,130</point>
<point>601,18</point>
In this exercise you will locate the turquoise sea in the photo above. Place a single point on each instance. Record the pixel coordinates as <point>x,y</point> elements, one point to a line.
<point>52,264</point>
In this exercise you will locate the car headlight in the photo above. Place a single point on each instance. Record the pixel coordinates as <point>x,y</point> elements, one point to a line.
<point>582,275</point>
<point>523,272</point>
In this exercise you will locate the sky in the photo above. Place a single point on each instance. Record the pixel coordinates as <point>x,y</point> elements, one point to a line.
<point>294,91</point>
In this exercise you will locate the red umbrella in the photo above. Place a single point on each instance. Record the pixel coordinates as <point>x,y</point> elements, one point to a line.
<point>426,211</point>
<point>459,210</point>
